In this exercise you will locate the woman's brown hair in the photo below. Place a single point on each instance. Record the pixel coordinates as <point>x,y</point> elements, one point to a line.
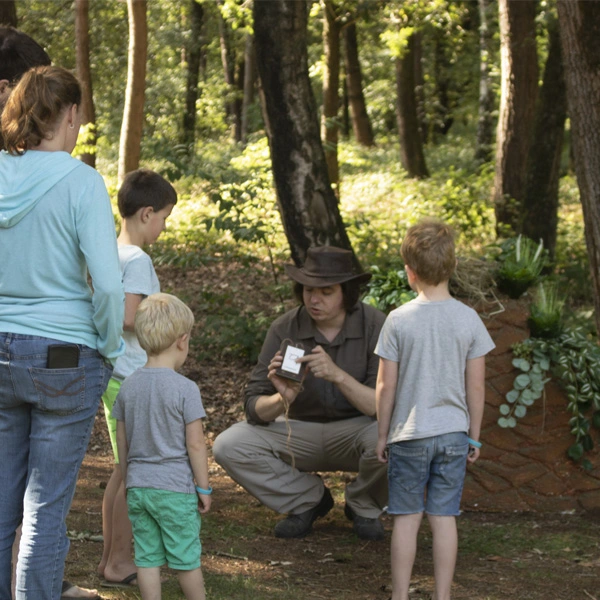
<point>36,106</point>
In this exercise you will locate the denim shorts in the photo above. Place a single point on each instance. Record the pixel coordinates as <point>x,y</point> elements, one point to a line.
<point>427,475</point>
<point>166,528</point>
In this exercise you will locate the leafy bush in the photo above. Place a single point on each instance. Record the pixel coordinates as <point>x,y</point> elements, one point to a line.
<point>388,289</point>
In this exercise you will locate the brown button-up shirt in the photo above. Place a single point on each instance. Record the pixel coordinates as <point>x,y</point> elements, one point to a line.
<point>352,350</point>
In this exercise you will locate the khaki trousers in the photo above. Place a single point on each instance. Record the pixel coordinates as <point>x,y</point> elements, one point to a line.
<point>259,458</point>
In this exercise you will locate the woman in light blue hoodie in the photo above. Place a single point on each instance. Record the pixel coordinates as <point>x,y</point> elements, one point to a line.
<point>58,338</point>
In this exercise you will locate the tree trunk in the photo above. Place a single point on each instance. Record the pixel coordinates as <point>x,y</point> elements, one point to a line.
<point>442,68</point>
<point>249,81</point>
<point>84,74</point>
<point>232,106</point>
<point>8,13</point>
<point>193,57</point>
<point>540,206</point>
<point>580,31</point>
<point>411,147</point>
<point>133,112</point>
<point>361,124</point>
<point>345,124</point>
<point>420,88</point>
<point>485,123</point>
<point>331,91</point>
<point>240,79</point>
<point>308,206</point>
<point>519,87</point>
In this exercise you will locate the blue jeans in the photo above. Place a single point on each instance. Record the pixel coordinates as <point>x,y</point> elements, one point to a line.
<point>432,468</point>
<point>46,418</point>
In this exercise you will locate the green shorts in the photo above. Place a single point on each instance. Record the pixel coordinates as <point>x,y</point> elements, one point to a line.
<point>166,528</point>
<point>108,399</point>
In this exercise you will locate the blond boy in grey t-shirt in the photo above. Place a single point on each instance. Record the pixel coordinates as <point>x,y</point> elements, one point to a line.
<point>163,452</point>
<point>430,400</point>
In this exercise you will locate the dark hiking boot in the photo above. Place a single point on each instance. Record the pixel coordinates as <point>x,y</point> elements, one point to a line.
<point>300,525</point>
<point>365,528</point>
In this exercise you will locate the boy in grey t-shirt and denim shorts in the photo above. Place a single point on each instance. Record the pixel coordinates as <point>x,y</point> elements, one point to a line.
<point>163,453</point>
<point>430,398</point>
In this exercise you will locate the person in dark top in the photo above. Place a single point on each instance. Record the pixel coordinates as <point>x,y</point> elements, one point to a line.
<point>324,423</point>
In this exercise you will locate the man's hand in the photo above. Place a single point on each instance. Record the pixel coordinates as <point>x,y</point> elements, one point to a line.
<point>322,366</point>
<point>288,389</point>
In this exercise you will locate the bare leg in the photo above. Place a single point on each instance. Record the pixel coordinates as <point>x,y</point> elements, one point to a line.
<point>192,584</point>
<point>108,501</point>
<point>404,550</point>
<point>445,548</point>
<point>149,582</point>
<point>116,562</point>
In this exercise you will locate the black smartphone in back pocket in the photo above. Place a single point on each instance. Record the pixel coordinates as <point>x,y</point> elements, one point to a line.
<point>63,356</point>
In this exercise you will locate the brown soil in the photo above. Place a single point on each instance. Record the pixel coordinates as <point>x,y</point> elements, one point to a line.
<point>330,563</point>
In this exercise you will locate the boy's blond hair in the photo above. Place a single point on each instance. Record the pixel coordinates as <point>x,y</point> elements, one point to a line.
<point>428,249</point>
<point>160,320</point>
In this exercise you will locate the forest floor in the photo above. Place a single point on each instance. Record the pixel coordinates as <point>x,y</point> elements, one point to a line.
<point>502,556</point>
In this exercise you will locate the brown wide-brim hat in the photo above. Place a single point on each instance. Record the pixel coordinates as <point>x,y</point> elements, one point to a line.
<point>325,266</point>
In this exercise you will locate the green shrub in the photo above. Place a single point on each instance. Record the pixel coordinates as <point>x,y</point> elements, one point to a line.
<point>388,289</point>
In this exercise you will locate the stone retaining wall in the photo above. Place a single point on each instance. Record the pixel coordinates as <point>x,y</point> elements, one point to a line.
<point>526,468</point>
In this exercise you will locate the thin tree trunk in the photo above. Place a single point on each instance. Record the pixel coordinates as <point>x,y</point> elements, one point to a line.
<point>193,57</point>
<point>240,78</point>
<point>540,206</point>
<point>361,124</point>
<point>441,65</point>
<point>345,124</point>
<point>519,90</point>
<point>420,88</point>
<point>133,112</point>
<point>84,74</point>
<point>580,31</point>
<point>229,69</point>
<point>485,123</point>
<point>308,206</point>
<point>411,147</point>
<point>331,93</point>
<point>249,82</point>
<point>8,13</point>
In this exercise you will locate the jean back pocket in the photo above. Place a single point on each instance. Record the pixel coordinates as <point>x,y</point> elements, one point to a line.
<point>60,391</point>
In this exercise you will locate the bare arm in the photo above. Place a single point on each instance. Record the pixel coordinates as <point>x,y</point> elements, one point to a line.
<point>132,301</point>
<point>385,392</point>
<point>475,389</point>
<point>196,449</point>
<point>122,449</point>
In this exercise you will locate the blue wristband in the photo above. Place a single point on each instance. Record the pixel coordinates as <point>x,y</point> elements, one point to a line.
<point>204,492</point>
<point>474,443</point>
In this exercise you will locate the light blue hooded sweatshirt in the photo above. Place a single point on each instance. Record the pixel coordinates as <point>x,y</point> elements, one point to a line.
<point>56,223</point>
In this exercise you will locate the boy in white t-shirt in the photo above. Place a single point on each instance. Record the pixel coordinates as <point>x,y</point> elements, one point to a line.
<point>145,202</point>
<point>430,398</point>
